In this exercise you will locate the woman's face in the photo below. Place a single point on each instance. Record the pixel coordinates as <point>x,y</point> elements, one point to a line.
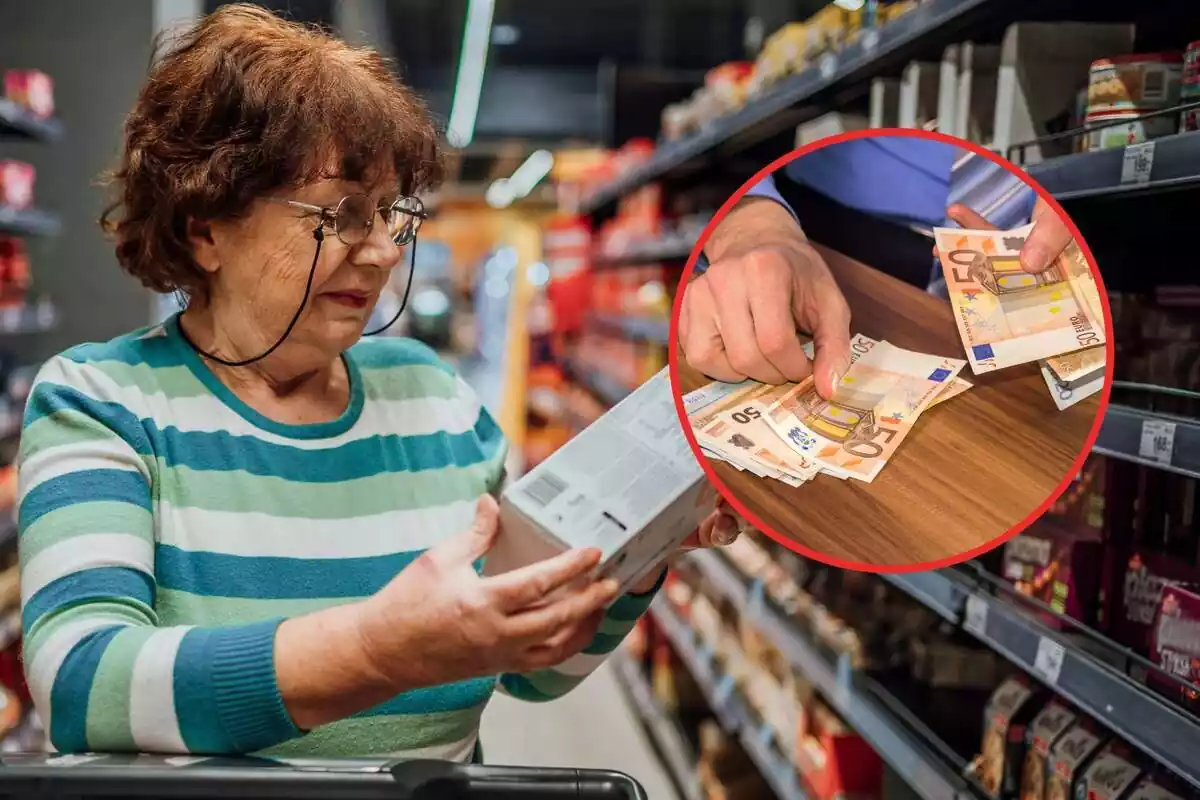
<point>262,264</point>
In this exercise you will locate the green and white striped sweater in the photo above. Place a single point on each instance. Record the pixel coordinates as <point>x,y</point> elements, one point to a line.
<point>166,528</point>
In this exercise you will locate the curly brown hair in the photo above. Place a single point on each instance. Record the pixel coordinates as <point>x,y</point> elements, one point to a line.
<point>245,104</point>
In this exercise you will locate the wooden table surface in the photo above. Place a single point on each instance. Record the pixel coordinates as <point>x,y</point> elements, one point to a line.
<point>972,467</point>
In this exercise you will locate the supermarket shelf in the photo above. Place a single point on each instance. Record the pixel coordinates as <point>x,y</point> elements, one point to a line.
<point>20,122</point>
<point>859,60</point>
<point>673,748</point>
<point>864,707</point>
<point>728,705</point>
<point>1176,164</point>
<point>27,222</point>
<point>1121,437</point>
<point>660,250</point>
<point>650,329</point>
<point>1167,734</point>
<point>601,384</point>
<point>27,319</point>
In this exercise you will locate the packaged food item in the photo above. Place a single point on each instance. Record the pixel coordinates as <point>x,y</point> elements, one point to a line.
<point>1146,575</point>
<point>1176,643</point>
<point>1044,732</point>
<point>1111,775</point>
<point>1058,562</point>
<point>1157,787</point>
<point>836,762</point>
<point>32,89</point>
<point>15,278</point>
<point>1130,129</point>
<point>1191,62</point>
<point>1005,721</point>
<point>1069,757</point>
<point>628,485</point>
<point>16,184</point>
<point>1138,82</point>
<point>782,54</point>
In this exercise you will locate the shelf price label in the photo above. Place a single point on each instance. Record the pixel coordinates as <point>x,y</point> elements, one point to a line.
<point>1137,163</point>
<point>1158,440</point>
<point>724,690</point>
<point>975,616</point>
<point>828,65</point>
<point>754,600</point>
<point>1048,662</point>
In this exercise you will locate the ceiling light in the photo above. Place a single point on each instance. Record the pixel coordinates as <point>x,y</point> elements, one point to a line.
<point>471,63</point>
<point>531,172</point>
<point>499,194</point>
<point>849,5</point>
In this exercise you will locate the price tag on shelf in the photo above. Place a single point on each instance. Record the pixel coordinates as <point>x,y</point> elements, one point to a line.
<point>975,615</point>
<point>1158,440</point>
<point>870,39</point>
<point>765,735</point>
<point>1049,660</point>
<point>724,689</point>
<point>828,65</point>
<point>1138,163</point>
<point>754,599</point>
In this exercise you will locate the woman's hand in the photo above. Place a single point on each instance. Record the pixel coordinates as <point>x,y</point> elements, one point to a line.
<point>1046,242</point>
<point>439,621</point>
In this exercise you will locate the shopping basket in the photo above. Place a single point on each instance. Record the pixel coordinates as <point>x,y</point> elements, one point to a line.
<point>77,777</point>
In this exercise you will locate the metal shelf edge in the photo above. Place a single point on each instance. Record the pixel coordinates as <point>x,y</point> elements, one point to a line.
<point>1098,172</point>
<point>1121,435</point>
<point>24,123</point>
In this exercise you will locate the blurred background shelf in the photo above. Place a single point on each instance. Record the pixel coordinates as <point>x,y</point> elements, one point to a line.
<point>645,328</point>
<point>20,123</point>
<point>659,250</point>
<point>865,705</point>
<point>28,222</point>
<point>730,707</point>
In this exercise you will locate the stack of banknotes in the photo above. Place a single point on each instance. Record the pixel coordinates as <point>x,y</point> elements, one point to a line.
<point>790,433</point>
<point>1007,316</point>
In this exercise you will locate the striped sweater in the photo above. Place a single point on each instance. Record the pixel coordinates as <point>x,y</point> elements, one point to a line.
<point>166,528</point>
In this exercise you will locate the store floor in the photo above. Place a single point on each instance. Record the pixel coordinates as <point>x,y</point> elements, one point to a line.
<point>592,727</point>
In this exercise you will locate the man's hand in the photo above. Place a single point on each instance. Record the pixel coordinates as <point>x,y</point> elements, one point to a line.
<point>739,319</point>
<point>1046,242</point>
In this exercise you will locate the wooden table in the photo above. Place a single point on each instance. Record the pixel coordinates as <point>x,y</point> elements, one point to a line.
<point>972,468</point>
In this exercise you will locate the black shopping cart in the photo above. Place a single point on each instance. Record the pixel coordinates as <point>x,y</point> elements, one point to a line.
<point>81,777</point>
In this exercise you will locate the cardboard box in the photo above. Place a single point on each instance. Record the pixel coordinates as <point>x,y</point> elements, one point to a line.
<point>1044,732</point>
<point>1112,775</point>
<point>629,485</point>
<point>1070,756</point>
<point>1176,644</point>
<point>1009,712</point>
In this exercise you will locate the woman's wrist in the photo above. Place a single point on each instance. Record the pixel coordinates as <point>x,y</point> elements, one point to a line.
<point>326,667</point>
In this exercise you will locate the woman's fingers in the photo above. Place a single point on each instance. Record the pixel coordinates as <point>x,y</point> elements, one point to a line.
<point>968,218</point>
<point>545,621</point>
<point>533,583</point>
<point>1046,242</point>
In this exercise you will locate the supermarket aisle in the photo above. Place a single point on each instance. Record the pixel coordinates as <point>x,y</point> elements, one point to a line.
<point>592,726</point>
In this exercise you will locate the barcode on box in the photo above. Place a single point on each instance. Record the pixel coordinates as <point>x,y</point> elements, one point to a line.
<point>545,489</point>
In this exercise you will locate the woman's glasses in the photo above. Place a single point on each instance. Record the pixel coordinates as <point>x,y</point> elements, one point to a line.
<point>354,217</point>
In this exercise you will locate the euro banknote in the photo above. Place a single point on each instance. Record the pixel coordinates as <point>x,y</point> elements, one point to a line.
<point>1007,316</point>
<point>872,410</point>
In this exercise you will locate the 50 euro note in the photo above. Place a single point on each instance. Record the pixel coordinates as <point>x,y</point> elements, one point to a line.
<point>860,345</point>
<point>703,406</point>
<point>873,408</point>
<point>1007,316</point>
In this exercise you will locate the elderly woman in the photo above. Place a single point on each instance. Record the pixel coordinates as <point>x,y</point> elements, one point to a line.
<point>246,530</point>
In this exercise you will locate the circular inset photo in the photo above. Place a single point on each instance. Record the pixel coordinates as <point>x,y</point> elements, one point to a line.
<point>889,350</point>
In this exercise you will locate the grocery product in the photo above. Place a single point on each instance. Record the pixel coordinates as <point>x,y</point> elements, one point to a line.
<point>1058,562</point>
<point>1070,757</point>
<point>1005,721</point>
<point>1141,587</point>
<point>16,184</point>
<point>1138,82</point>
<point>1129,128</point>
<point>14,272</point>
<point>1175,645</point>
<point>1044,732</point>
<point>32,89</point>
<point>1157,787</point>
<point>1111,775</point>
<point>836,761</point>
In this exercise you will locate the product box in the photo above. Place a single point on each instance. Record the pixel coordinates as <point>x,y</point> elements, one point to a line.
<point>1145,577</point>
<point>1044,732</point>
<point>1176,644</point>
<point>629,485</point>
<point>1008,714</point>
<point>1070,757</point>
<point>1058,562</point>
<point>836,761</point>
<point>1111,775</point>
<point>16,184</point>
<point>1156,788</point>
<point>32,89</point>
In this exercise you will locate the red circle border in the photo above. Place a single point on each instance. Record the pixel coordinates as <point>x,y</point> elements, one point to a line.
<point>673,352</point>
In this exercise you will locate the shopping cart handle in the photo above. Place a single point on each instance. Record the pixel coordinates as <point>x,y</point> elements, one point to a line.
<point>448,781</point>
